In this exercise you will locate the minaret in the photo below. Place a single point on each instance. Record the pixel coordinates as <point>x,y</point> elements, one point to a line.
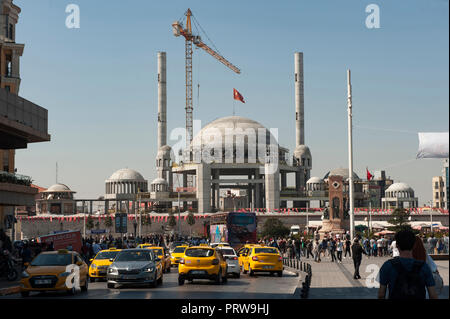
<point>162,100</point>
<point>302,155</point>
<point>299,102</point>
<point>163,158</point>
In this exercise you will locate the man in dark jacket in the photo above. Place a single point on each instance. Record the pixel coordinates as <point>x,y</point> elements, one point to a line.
<point>357,252</point>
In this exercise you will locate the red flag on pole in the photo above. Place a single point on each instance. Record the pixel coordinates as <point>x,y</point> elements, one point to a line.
<point>238,96</point>
<point>369,176</point>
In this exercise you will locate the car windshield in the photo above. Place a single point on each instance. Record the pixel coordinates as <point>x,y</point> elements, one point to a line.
<point>106,255</point>
<point>179,250</point>
<point>158,252</point>
<point>135,256</point>
<point>266,251</point>
<point>199,252</point>
<point>52,260</point>
<point>228,252</point>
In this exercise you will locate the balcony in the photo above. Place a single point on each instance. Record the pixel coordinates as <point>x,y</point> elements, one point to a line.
<point>21,122</point>
<point>16,190</point>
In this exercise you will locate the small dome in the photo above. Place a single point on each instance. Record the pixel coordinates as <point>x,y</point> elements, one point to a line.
<point>160,181</point>
<point>302,151</point>
<point>315,180</point>
<point>58,188</point>
<point>399,187</point>
<point>341,172</point>
<point>126,174</point>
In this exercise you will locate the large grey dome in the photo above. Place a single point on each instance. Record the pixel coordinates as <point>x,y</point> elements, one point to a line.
<point>126,174</point>
<point>233,132</point>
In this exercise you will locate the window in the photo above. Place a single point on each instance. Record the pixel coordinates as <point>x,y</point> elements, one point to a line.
<point>436,196</point>
<point>11,31</point>
<point>436,185</point>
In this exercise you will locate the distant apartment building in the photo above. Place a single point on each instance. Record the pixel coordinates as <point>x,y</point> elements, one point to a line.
<point>439,192</point>
<point>21,121</point>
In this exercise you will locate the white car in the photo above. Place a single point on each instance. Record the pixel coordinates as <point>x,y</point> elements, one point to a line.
<point>214,245</point>
<point>230,256</point>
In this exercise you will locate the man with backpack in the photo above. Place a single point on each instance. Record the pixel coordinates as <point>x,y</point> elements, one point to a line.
<point>404,276</point>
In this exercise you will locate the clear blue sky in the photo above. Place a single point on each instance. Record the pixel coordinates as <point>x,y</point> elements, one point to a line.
<point>99,82</point>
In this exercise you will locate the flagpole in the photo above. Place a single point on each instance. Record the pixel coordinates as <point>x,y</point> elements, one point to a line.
<point>350,155</point>
<point>233,106</point>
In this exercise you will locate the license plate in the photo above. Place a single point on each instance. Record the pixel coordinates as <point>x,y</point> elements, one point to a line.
<point>197,272</point>
<point>43,282</point>
<point>127,277</point>
<point>267,267</point>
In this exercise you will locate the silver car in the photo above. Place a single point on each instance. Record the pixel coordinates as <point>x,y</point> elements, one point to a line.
<point>135,267</point>
<point>230,256</point>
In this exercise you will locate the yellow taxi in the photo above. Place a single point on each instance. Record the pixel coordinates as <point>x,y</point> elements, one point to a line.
<point>177,254</point>
<point>99,264</point>
<point>164,256</point>
<point>243,253</point>
<point>145,245</point>
<point>201,262</point>
<point>55,271</point>
<point>263,259</point>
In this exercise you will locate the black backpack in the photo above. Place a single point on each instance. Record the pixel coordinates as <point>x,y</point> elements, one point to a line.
<point>409,284</point>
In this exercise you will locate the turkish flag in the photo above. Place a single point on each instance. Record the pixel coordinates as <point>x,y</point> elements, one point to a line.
<point>369,176</point>
<point>238,96</point>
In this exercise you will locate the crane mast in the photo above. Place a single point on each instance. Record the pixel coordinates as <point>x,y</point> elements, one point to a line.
<point>189,40</point>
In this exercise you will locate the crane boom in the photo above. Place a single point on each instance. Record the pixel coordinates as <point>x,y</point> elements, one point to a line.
<point>194,39</point>
<point>202,45</point>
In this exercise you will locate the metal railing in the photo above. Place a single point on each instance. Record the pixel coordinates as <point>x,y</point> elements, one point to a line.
<point>302,266</point>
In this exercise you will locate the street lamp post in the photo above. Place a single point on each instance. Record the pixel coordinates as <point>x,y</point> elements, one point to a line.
<point>179,217</point>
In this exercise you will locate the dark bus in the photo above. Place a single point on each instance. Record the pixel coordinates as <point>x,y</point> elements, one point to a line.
<point>234,228</point>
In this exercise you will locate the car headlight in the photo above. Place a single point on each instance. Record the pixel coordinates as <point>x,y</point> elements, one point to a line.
<point>149,269</point>
<point>93,266</point>
<point>25,274</point>
<point>112,270</point>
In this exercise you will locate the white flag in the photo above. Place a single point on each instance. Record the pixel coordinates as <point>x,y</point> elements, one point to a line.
<point>433,145</point>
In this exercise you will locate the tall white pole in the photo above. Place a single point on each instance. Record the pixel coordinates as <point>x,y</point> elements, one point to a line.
<point>350,155</point>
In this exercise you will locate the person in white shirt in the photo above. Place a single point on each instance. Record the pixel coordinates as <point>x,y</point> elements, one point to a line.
<point>394,249</point>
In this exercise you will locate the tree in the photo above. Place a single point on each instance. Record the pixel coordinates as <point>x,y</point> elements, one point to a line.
<point>274,227</point>
<point>400,220</point>
<point>89,222</point>
<point>108,221</point>
<point>190,221</point>
<point>172,221</point>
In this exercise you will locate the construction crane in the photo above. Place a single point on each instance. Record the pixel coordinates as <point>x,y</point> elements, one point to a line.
<point>178,30</point>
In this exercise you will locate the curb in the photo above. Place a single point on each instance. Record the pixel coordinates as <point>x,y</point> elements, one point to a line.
<point>9,291</point>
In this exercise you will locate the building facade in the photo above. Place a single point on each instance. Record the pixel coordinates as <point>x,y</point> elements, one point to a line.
<point>21,121</point>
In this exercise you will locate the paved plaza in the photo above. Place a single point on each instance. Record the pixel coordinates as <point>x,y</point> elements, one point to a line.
<point>332,280</point>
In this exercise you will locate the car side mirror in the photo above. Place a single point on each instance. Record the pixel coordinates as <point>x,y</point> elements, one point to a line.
<point>111,259</point>
<point>91,259</point>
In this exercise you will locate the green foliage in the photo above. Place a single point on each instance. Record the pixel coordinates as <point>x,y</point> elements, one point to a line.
<point>172,222</point>
<point>191,219</point>
<point>108,221</point>
<point>399,219</point>
<point>273,227</point>
<point>146,219</point>
<point>89,222</point>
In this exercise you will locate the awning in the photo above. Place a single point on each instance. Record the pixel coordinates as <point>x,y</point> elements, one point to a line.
<point>314,223</point>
